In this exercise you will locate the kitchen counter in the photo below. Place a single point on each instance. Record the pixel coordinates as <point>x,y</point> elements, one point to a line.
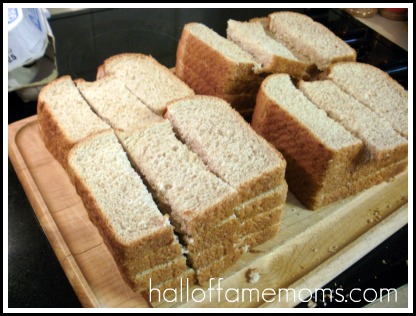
<point>35,276</point>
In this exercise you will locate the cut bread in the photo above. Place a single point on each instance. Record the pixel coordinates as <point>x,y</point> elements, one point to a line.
<point>309,41</point>
<point>261,221</point>
<point>217,267</point>
<point>214,252</point>
<point>382,142</point>
<point>197,198</point>
<point>317,148</point>
<point>243,97</point>
<point>158,274</point>
<point>150,81</point>
<point>65,117</point>
<point>119,204</point>
<point>115,104</point>
<point>227,144</point>
<point>273,56</point>
<point>263,202</point>
<point>205,55</point>
<point>144,260</point>
<point>375,89</point>
<point>259,237</point>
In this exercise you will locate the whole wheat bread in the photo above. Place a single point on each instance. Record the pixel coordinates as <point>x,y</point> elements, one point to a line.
<point>316,147</point>
<point>65,118</point>
<point>115,104</point>
<point>119,204</point>
<point>150,81</point>
<point>227,144</point>
<point>308,40</point>
<point>382,142</point>
<point>273,56</point>
<point>375,89</point>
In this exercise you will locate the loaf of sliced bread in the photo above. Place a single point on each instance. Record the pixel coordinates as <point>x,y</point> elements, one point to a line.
<point>120,206</point>
<point>309,41</point>
<point>65,118</point>
<point>382,142</point>
<point>375,89</point>
<point>150,81</point>
<point>227,144</point>
<point>273,56</point>
<point>317,148</point>
<point>115,104</point>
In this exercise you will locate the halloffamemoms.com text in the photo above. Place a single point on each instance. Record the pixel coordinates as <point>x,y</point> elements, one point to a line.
<point>216,294</point>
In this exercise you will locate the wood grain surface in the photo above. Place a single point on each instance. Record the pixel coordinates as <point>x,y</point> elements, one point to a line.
<point>311,248</point>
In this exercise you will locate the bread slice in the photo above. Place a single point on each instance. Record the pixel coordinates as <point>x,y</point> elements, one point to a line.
<point>225,67</point>
<point>375,89</point>
<point>227,144</point>
<point>217,267</point>
<point>118,202</point>
<point>317,148</point>
<point>261,221</point>
<point>65,118</point>
<point>197,198</point>
<point>150,81</point>
<point>383,143</point>
<point>158,274</point>
<point>242,98</point>
<point>309,41</point>
<point>263,202</point>
<point>273,56</point>
<point>200,203</point>
<point>115,104</point>
<point>259,237</point>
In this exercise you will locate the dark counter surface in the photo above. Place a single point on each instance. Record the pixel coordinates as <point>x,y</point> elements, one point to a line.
<point>84,39</point>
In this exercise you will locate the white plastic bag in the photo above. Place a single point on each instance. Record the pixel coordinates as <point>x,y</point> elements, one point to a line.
<point>31,50</point>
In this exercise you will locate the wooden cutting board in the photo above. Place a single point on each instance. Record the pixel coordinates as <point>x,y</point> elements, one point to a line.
<point>310,250</point>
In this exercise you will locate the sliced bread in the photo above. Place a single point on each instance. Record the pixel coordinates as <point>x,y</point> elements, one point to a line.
<point>317,148</point>
<point>150,81</point>
<point>203,55</point>
<point>227,144</point>
<point>309,41</point>
<point>197,198</point>
<point>65,117</point>
<point>114,103</point>
<point>120,206</point>
<point>382,142</point>
<point>375,89</point>
<point>273,56</point>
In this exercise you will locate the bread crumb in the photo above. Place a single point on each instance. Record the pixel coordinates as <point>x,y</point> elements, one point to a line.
<point>383,261</point>
<point>333,249</point>
<point>253,275</point>
<point>370,221</point>
<point>315,250</point>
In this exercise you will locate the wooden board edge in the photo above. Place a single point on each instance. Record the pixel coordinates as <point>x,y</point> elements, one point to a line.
<point>54,236</point>
<point>340,262</point>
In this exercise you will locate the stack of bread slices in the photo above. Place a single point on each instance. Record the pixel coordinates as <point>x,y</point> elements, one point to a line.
<point>233,68</point>
<point>179,186</point>
<point>339,136</point>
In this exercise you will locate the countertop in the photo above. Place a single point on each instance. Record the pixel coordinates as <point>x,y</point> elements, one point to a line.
<point>35,278</point>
